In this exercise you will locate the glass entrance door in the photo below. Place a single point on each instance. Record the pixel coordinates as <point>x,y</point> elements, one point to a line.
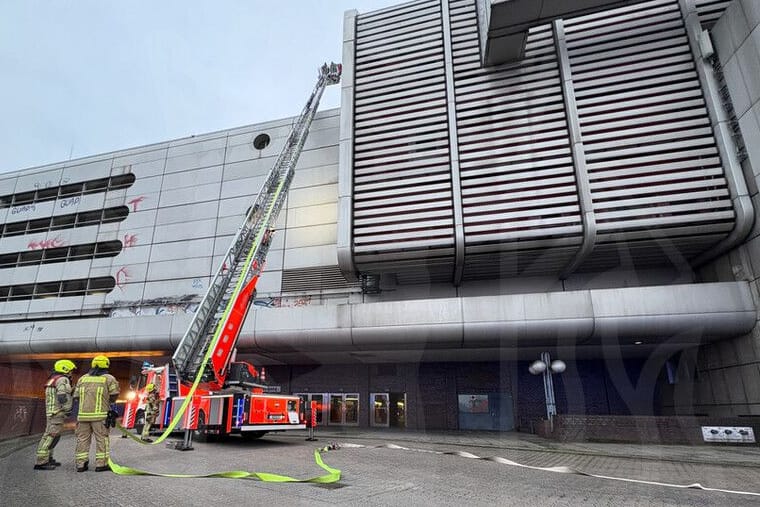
<point>344,409</point>
<point>378,409</point>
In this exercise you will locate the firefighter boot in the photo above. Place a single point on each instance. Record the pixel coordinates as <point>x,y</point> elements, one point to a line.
<point>45,466</point>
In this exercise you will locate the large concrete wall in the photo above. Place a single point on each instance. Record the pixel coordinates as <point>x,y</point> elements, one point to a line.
<point>728,372</point>
<point>187,201</point>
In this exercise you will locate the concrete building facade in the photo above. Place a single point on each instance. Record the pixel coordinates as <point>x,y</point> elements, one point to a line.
<point>594,196</point>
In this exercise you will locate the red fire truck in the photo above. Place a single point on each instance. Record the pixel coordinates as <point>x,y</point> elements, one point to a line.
<point>247,406</point>
<point>204,391</point>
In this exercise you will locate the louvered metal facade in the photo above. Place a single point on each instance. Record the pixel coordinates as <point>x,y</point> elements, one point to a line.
<point>654,171</point>
<point>519,198</point>
<point>597,142</point>
<point>402,181</point>
<point>710,10</point>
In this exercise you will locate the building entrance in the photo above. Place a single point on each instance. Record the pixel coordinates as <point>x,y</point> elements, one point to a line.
<point>387,410</point>
<point>343,409</point>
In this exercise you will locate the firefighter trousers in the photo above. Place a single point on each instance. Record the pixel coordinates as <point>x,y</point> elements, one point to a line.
<point>50,438</point>
<point>84,433</point>
<point>150,419</point>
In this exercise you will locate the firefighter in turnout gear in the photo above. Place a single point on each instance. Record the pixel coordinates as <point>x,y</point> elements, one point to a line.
<point>151,411</point>
<point>97,391</point>
<point>58,402</point>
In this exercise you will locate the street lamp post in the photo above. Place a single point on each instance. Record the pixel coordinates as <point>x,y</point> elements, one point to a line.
<point>545,366</point>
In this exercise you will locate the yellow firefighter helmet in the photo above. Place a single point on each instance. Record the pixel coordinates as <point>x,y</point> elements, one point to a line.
<point>101,362</point>
<point>64,366</point>
<point>150,387</point>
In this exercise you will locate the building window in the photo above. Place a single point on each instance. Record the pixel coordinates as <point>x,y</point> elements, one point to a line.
<point>82,219</point>
<point>60,254</point>
<point>51,193</point>
<point>63,288</point>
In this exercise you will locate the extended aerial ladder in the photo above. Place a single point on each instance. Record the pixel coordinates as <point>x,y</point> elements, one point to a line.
<point>204,356</point>
<point>221,313</point>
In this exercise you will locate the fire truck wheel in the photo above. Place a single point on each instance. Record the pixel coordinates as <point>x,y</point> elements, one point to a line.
<point>252,435</point>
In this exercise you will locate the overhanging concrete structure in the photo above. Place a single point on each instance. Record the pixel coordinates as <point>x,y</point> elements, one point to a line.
<point>504,24</point>
<point>465,328</point>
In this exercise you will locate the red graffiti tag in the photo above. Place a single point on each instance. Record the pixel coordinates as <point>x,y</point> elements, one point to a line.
<point>46,243</point>
<point>134,202</point>
<point>130,240</point>
<point>122,277</point>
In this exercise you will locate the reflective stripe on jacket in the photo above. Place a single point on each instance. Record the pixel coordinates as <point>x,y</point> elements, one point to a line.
<point>94,392</point>
<point>57,385</point>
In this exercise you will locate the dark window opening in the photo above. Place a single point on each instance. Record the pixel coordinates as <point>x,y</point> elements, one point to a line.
<point>88,217</point>
<point>72,189</point>
<point>63,221</point>
<point>15,228</point>
<point>23,198</point>
<point>21,292</point>
<point>67,221</point>
<point>69,190</point>
<point>74,287</point>
<point>121,181</point>
<point>107,248</point>
<point>47,194</point>
<point>30,257</point>
<point>115,214</point>
<point>43,224</point>
<point>61,254</point>
<point>81,251</point>
<point>8,260</point>
<point>48,289</point>
<point>101,285</point>
<point>94,186</point>
<point>81,287</point>
<point>55,255</point>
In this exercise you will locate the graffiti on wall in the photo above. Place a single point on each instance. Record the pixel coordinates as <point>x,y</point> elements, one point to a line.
<point>122,277</point>
<point>130,240</point>
<point>188,304</point>
<point>163,306</point>
<point>71,201</point>
<point>283,302</point>
<point>135,202</point>
<point>46,243</point>
<point>23,208</point>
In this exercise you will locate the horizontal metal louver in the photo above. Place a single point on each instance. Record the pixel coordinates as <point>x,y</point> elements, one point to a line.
<point>402,199</point>
<point>656,179</point>
<point>315,279</point>
<point>710,11</point>
<point>519,196</point>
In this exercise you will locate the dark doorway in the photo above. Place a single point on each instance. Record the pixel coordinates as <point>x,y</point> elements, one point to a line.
<point>397,412</point>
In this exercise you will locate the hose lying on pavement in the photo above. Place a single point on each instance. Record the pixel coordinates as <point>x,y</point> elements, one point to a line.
<point>557,469</point>
<point>332,475</point>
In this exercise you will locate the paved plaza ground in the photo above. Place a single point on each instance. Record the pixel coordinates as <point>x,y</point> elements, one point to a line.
<point>382,474</point>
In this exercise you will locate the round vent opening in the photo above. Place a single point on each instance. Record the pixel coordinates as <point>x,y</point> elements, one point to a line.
<point>261,141</point>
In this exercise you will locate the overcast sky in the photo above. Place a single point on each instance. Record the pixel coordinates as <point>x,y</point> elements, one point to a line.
<point>82,77</point>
